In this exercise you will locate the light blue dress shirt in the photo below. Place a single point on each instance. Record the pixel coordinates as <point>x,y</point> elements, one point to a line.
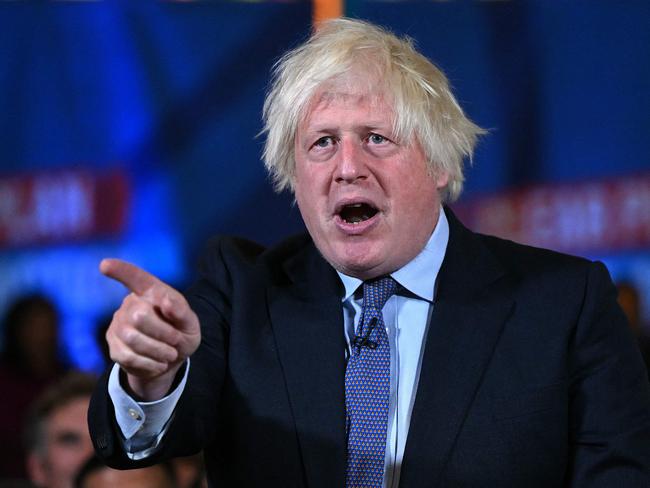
<point>406,316</point>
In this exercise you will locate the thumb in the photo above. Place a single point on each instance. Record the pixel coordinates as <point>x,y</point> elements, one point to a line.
<point>176,310</point>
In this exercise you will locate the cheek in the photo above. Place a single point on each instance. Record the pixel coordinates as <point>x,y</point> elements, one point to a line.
<point>411,189</point>
<point>301,193</point>
<point>311,194</point>
<point>419,199</point>
<point>308,180</point>
<point>306,206</point>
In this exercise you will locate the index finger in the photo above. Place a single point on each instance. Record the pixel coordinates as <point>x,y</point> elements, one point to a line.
<point>134,278</point>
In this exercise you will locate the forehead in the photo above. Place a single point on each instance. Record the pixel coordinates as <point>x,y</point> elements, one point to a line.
<point>344,104</point>
<point>350,94</point>
<point>149,476</point>
<point>70,415</point>
<point>345,98</point>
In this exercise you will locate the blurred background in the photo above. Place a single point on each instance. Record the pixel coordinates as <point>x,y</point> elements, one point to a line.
<point>129,129</point>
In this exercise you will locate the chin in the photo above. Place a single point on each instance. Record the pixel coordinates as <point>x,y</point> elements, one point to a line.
<point>360,256</point>
<point>361,268</point>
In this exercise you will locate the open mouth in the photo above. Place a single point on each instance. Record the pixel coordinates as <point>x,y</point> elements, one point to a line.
<point>357,212</point>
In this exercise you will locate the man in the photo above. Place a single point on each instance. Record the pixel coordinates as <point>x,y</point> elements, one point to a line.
<point>391,346</point>
<point>29,363</point>
<point>56,434</point>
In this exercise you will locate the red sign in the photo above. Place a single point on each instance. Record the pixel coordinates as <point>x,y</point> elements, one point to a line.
<point>599,217</point>
<point>61,206</point>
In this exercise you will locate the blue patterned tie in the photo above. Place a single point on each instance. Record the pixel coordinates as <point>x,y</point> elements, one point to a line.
<point>367,389</point>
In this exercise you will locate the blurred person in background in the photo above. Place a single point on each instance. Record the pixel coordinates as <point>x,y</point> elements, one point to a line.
<point>28,364</point>
<point>189,471</point>
<point>630,301</point>
<point>56,432</point>
<point>95,474</point>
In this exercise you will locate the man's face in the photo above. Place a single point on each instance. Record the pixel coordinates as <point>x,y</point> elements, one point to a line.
<point>67,446</point>
<point>367,199</point>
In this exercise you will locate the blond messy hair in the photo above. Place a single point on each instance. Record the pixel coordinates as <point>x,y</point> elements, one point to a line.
<point>423,104</point>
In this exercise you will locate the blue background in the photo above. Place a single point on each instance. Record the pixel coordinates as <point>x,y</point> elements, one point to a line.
<point>171,94</point>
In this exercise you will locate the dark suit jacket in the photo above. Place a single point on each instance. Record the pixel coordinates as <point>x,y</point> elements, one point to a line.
<point>530,377</point>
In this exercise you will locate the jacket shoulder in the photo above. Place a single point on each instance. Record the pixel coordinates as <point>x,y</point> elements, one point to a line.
<point>524,258</point>
<point>237,254</point>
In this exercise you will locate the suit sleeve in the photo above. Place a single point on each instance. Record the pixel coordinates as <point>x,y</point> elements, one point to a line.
<point>194,422</point>
<point>609,396</point>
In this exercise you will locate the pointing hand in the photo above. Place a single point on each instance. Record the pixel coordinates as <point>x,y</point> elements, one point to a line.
<point>153,331</point>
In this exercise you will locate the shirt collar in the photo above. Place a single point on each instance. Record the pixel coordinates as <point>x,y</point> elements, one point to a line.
<point>418,275</point>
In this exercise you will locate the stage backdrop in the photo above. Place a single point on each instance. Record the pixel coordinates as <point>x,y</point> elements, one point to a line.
<point>130,129</point>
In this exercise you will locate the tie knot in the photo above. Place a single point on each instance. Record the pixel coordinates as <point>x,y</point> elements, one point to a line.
<point>376,292</point>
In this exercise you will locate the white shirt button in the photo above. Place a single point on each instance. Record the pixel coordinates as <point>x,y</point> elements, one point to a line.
<point>135,415</point>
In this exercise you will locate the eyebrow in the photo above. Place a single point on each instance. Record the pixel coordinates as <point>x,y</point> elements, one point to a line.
<point>67,436</point>
<point>371,127</point>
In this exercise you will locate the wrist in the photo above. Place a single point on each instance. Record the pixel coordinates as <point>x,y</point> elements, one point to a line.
<point>152,389</point>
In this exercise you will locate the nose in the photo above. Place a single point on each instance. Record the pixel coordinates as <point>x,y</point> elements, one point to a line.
<point>352,164</point>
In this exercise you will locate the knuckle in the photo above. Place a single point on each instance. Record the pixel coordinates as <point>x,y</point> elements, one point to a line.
<point>139,314</point>
<point>130,359</point>
<point>119,356</point>
<point>168,353</point>
<point>170,304</point>
<point>128,300</point>
<point>160,368</point>
<point>173,355</point>
<point>129,335</point>
<point>174,338</point>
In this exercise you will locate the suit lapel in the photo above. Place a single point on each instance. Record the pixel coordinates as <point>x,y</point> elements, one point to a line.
<point>307,321</point>
<point>470,309</point>
<point>469,312</point>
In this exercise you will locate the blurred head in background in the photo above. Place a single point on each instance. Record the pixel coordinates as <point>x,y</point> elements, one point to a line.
<point>31,337</point>
<point>630,301</point>
<point>56,433</point>
<point>94,474</point>
<point>189,471</point>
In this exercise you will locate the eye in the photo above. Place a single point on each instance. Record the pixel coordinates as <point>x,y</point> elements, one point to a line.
<point>376,138</point>
<point>67,438</point>
<point>324,142</point>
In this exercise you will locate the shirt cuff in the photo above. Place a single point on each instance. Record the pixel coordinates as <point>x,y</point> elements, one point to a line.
<point>142,421</point>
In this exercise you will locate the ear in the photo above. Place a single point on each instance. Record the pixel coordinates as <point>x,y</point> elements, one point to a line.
<point>442,179</point>
<point>36,469</point>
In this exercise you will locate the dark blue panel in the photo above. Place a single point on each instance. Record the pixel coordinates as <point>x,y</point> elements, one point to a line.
<point>562,85</point>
